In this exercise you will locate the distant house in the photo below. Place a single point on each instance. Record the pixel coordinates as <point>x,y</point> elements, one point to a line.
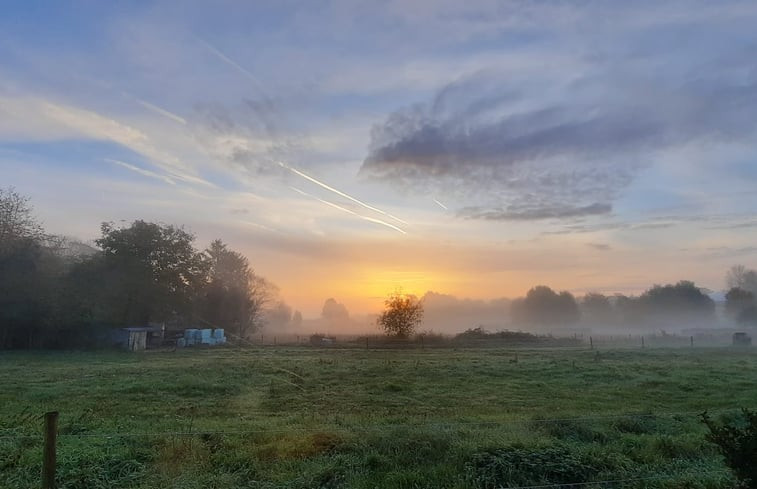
<point>136,338</point>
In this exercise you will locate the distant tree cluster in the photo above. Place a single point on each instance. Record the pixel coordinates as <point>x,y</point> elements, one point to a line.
<point>543,306</point>
<point>58,293</point>
<point>660,305</point>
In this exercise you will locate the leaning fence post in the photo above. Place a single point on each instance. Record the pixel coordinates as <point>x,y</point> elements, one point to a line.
<point>48,460</point>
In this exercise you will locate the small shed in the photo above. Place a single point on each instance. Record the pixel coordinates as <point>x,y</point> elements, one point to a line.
<point>741,339</point>
<point>134,338</point>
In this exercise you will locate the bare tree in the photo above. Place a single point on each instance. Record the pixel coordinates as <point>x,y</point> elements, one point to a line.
<point>742,277</point>
<point>16,218</point>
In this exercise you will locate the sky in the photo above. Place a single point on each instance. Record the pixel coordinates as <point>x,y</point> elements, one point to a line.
<point>349,148</point>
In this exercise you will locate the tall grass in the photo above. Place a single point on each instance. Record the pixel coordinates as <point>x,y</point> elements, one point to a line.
<point>302,417</point>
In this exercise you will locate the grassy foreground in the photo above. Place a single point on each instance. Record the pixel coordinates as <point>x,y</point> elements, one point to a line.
<point>299,417</point>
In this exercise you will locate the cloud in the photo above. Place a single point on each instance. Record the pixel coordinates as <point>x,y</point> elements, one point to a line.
<point>508,152</point>
<point>599,246</point>
<point>534,212</point>
<point>42,120</point>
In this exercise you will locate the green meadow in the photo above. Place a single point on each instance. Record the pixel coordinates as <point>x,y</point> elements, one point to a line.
<point>302,417</point>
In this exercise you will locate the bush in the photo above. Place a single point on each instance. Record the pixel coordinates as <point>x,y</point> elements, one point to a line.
<point>737,442</point>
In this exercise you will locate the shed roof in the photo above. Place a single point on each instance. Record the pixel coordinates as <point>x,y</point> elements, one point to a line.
<point>137,329</point>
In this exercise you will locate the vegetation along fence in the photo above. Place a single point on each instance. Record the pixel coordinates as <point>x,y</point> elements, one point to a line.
<point>119,462</point>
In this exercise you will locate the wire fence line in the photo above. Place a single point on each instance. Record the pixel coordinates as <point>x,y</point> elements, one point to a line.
<point>377,428</point>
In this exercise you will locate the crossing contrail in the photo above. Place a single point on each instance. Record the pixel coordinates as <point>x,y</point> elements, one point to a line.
<point>162,111</point>
<point>441,205</point>
<point>340,193</point>
<point>344,209</point>
<point>231,62</point>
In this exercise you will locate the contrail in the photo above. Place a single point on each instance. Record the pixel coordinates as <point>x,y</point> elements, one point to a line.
<point>335,206</point>
<point>162,111</point>
<point>231,62</point>
<point>327,187</point>
<point>142,171</point>
<point>441,205</point>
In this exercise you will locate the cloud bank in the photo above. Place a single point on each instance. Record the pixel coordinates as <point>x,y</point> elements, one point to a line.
<point>509,152</point>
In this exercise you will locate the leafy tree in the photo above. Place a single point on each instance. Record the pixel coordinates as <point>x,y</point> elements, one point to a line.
<point>149,272</point>
<point>402,314</point>
<point>279,315</point>
<point>663,302</point>
<point>596,308</point>
<point>297,319</point>
<point>334,312</point>
<point>543,306</point>
<point>234,297</point>
<point>28,271</point>
<point>738,302</point>
<point>748,315</point>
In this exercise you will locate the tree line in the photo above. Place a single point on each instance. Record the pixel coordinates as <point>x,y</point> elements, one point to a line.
<point>660,305</point>
<point>57,292</point>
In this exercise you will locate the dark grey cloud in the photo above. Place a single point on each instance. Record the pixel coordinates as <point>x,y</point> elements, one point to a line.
<point>516,213</point>
<point>549,151</point>
<point>599,246</point>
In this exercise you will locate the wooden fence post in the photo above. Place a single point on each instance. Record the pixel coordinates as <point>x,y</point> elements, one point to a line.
<point>642,341</point>
<point>692,341</point>
<point>591,343</point>
<point>48,460</point>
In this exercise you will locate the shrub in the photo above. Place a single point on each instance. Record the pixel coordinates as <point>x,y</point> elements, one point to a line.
<point>737,442</point>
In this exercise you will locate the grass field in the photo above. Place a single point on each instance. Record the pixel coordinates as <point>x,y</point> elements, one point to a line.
<point>300,417</point>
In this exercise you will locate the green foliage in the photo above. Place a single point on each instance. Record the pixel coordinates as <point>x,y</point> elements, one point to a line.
<point>543,306</point>
<point>28,271</point>
<point>737,442</point>
<point>521,466</point>
<point>55,293</point>
<point>232,297</point>
<point>683,298</point>
<point>481,336</point>
<point>151,272</point>
<point>739,303</point>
